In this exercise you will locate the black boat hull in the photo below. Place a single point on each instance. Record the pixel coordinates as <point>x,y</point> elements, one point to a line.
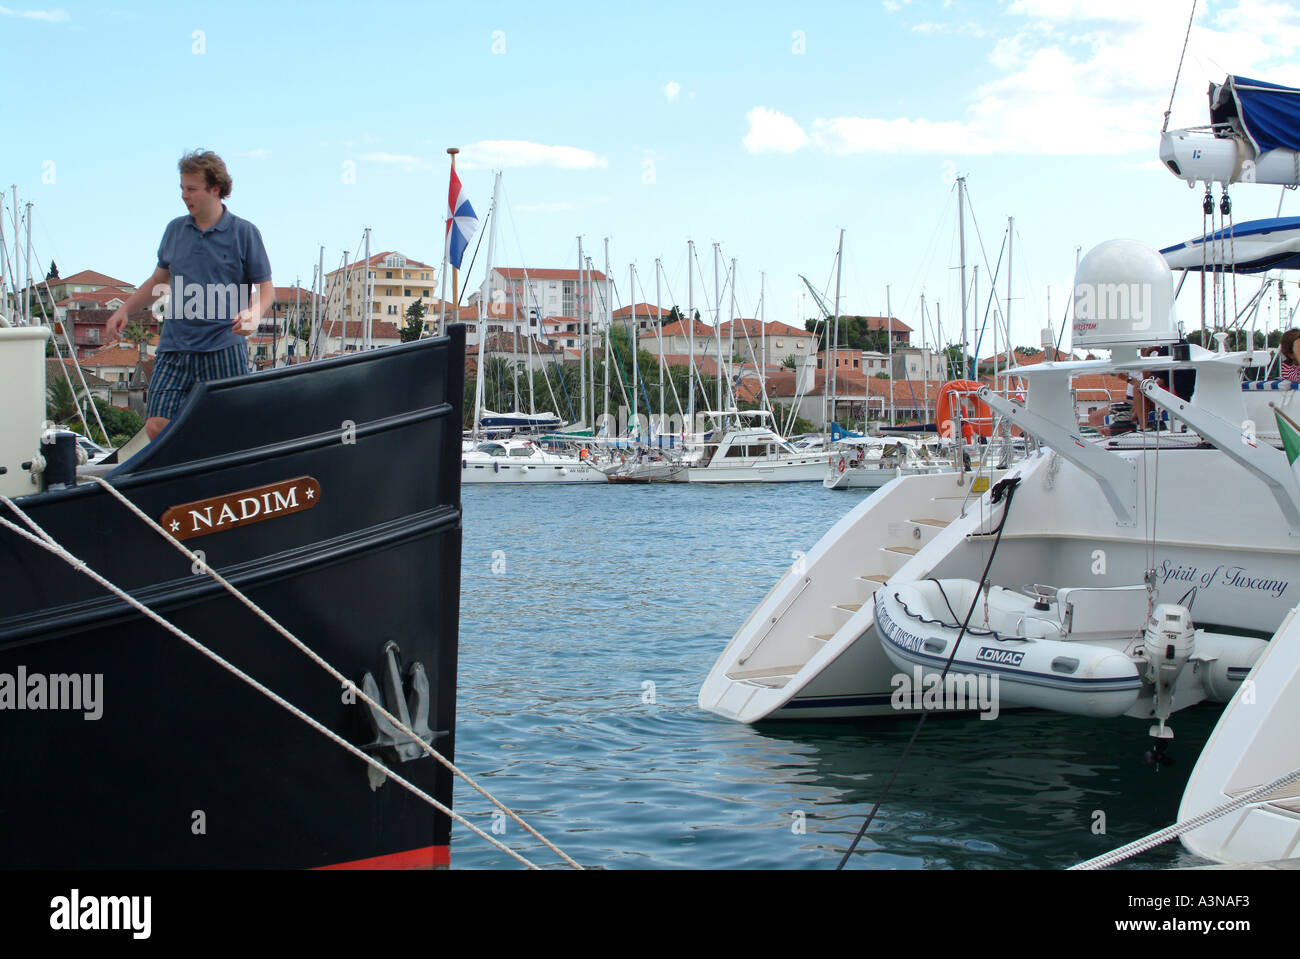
<point>186,765</point>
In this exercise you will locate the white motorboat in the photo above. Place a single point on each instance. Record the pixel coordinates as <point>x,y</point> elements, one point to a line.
<point>641,466</point>
<point>869,462</point>
<point>743,447</point>
<point>523,461</point>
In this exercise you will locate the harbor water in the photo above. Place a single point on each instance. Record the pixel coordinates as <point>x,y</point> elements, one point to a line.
<point>590,617</point>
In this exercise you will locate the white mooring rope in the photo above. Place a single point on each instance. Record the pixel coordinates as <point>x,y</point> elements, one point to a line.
<point>47,542</point>
<point>1187,825</point>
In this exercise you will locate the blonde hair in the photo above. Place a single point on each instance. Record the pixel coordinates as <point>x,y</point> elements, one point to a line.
<point>211,166</point>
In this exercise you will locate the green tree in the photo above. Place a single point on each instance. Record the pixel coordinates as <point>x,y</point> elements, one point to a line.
<point>414,321</point>
<point>136,332</point>
<point>120,424</point>
<point>54,272</point>
<point>61,401</point>
<point>791,362</point>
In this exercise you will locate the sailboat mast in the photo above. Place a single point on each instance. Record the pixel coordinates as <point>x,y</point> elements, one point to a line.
<point>659,321</point>
<point>27,310</point>
<point>609,321</point>
<point>731,340</point>
<point>632,337</point>
<point>690,335</point>
<point>961,244</point>
<point>316,307</point>
<point>482,307</point>
<point>762,334</point>
<point>835,345</point>
<point>582,348</point>
<point>925,370</point>
<point>1011,235</point>
<point>717,321</point>
<point>889,310</point>
<point>4,298</point>
<point>368,294</point>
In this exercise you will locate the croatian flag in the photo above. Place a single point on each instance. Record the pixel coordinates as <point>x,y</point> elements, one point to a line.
<point>462,223</point>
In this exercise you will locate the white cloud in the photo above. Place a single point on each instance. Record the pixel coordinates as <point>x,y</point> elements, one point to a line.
<point>772,132</point>
<point>49,16</point>
<point>671,89</point>
<point>1070,76</point>
<point>488,154</point>
<point>407,162</point>
<point>257,153</point>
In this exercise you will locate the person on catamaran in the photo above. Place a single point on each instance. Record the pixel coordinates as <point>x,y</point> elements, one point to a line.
<point>1290,361</point>
<point>215,266</point>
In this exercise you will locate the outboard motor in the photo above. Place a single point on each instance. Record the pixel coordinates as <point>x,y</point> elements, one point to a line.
<point>1169,640</point>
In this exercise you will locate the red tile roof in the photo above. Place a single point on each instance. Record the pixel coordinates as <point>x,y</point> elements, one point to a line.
<point>117,354</point>
<point>517,273</point>
<point>754,328</point>
<point>378,261</point>
<point>647,310</point>
<point>355,330</point>
<point>105,294</point>
<point>679,329</point>
<point>90,278</point>
<point>879,323</point>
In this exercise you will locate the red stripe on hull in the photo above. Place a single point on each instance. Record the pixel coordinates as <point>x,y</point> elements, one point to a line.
<point>430,857</point>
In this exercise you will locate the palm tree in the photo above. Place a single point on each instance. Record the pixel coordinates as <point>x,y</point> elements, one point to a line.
<point>61,402</point>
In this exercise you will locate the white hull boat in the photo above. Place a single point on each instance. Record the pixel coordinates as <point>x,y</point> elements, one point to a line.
<point>752,454</point>
<point>522,461</point>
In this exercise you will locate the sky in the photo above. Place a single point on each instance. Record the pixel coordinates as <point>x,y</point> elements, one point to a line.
<point>763,127</point>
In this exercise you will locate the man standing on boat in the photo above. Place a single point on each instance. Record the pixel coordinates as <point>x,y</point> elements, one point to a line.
<point>216,268</point>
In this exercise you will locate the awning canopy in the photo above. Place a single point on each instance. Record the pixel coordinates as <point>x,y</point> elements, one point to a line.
<point>1266,113</point>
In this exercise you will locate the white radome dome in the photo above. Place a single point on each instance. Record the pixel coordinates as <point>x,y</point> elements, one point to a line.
<point>1123,296</point>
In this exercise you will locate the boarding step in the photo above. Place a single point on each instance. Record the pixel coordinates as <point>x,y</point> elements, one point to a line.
<point>772,682</point>
<point>876,578</point>
<point>890,561</point>
<point>869,584</point>
<point>940,523</point>
<point>771,677</point>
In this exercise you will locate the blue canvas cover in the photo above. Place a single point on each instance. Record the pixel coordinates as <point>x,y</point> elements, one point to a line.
<point>1253,246</point>
<point>839,433</point>
<point>1269,113</point>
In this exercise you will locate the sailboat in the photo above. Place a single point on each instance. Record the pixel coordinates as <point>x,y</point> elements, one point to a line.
<point>511,460</point>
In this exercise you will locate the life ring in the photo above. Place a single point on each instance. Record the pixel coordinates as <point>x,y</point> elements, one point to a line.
<point>583,454</point>
<point>843,463</point>
<point>976,417</point>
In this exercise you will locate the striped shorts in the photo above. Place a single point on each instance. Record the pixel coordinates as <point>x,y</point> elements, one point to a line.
<point>174,375</point>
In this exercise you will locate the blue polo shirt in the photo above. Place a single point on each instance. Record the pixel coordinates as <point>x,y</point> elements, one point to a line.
<point>214,273</point>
